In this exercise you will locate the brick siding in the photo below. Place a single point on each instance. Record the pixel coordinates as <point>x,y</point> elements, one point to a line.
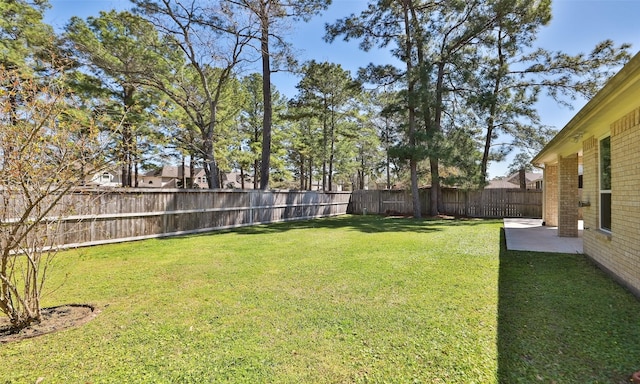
<point>625,193</point>
<point>550,214</point>
<point>568,196</point>
<point>595,243</point>
<point>618,252</point>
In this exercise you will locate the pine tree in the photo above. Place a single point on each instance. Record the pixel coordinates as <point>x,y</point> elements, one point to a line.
<point>114,46</point>
<point>329,92</point>
<point>270,15</point>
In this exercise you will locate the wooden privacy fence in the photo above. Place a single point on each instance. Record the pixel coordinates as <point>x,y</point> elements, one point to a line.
<point>486,203</point>
<point>90,217</point>
<point>100,216</point>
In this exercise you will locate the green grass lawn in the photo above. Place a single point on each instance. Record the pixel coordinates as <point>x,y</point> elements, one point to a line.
<point>340,300</point>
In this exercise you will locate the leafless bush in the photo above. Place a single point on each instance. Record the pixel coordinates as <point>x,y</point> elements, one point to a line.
<point>48,144</point>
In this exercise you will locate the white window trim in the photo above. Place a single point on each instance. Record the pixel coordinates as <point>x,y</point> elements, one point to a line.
<point>601,191</point>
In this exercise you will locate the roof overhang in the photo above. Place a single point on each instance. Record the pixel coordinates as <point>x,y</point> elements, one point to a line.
<point>619,96</point>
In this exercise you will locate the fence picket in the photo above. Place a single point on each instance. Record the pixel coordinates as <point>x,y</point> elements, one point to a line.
<point>486,203</point>
<point>90,217</point>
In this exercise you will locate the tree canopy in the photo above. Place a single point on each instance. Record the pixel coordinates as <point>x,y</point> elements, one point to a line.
<point>463,93</point>
<point>465,65</point>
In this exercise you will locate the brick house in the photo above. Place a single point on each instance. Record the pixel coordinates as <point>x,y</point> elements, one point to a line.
<point>172,176</point>
<point>106,178</point>
<point>532,181</point>
<point>603,138</point>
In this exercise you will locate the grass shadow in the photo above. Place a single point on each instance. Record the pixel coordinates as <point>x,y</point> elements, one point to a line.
<point>563,320</point>
<point>361,223</point>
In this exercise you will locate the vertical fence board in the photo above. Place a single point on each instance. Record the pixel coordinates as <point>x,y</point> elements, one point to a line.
<point>122,215</point>
<point>486,203</point>
<point>106,216</point>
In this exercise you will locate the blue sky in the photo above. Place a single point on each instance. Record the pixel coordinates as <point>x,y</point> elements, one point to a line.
<point>577,26</point>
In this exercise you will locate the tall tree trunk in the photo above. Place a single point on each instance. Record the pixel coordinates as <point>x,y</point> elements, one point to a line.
<point>256,174</point>
<point>361,172</point>
<point>388,171</point>
<point>183,174</point>
<point>434,162</point>
<point>492,109</point>
<point>136,174</point>
<point>413,162</point>
<point>126,154</point>
<point>423,66</point>
<point>192,173</point>
<point>256,162</point>
<point>302,176</point>
<point>388,158</point>
<point>266,94</point>
<point>332,148</point>
<point>127,137</point>
<point>310,185</point>
<point>210,165</point>
<point>324,154</point>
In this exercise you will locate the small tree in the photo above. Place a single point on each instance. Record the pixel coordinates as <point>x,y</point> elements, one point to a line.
<point>47,146</point>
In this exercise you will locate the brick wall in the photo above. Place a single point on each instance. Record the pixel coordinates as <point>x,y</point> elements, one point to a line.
<point>595,243</point>
<point>619,251</point>
<point>625,197</point>
<point>550,209</point>
<point>568,196</point>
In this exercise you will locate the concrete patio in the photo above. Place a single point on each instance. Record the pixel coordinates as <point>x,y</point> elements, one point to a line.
<point>530,235</point>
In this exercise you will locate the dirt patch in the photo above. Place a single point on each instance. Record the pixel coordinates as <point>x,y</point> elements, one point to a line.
<point>54,319</point>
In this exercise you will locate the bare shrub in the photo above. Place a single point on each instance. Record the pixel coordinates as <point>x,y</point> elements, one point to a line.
<point>48,144</point>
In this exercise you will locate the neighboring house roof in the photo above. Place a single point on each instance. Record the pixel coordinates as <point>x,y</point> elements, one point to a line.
<point>530,177</point>
<point>513,181</point>
<point>107,177</point>
<point>500,183</point>
<point>173,171</point>
<point>234,179</point>
<point>615,99</point>
<point>171,174</point>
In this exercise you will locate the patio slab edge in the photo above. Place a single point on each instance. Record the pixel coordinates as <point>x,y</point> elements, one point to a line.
<point>530,235</point>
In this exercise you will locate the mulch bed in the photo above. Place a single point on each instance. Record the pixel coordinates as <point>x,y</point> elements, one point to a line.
<point>54,319</point>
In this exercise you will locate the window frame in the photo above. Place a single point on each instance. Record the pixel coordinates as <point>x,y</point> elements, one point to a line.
<point>603,192</point>
<point>105,177</point>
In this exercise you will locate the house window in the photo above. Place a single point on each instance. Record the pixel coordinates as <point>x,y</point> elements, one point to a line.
<point>605,184</point>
